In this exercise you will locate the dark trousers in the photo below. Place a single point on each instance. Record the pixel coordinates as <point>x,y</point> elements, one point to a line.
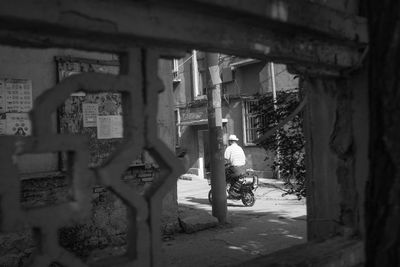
<point>232,174</point>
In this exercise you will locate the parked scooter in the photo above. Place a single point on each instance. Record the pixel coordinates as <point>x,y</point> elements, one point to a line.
<point>242,188</point>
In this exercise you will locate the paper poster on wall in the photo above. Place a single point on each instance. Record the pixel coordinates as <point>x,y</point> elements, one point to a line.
<point>18,95</point>
<point>2,97</point>
<point>90,112</point>
<point>18,124</point>
<point>2,126</point>
<point>109,127</point>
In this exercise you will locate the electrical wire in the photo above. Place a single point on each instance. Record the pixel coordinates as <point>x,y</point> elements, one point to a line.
<point>185,61</point>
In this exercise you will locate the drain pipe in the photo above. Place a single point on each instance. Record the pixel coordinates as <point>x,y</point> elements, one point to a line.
<point>195,75</point>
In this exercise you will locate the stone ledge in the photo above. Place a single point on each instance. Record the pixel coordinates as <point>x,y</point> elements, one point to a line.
<point>198,222</point>
<point>336,252</point>
<point>186,177</point>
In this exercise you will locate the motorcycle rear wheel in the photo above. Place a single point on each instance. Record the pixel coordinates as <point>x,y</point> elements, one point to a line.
<point>248,199</point>
<point>210,197</point>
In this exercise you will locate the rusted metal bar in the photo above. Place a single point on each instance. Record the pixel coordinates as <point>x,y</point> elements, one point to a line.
<point>305,15</point>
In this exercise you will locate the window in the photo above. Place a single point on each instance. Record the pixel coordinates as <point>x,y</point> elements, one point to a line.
<point>199,75</point>
<point>250,122</point>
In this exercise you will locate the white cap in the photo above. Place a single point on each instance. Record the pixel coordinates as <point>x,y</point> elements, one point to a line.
<point>233,137</point>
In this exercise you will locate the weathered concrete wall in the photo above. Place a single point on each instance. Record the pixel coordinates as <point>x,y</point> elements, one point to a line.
<point>189,143</point>
<point>361,124</point>
<point>259,160</point>
<point>233,112</point>
<point>249,80</point>
<point>382,216</point>
<point>256,78</point>
<point>107,225</point>
<point>104,229</point>
<point>322,187</point>
<point>166,132</point>
<point>283,79</point>
<point>335,122</point>
<point>183,90</point>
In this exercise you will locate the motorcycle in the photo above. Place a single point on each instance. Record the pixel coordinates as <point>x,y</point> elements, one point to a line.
<point>242,189</point>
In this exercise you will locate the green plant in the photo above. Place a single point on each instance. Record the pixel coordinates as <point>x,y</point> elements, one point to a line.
<point>288,141</point>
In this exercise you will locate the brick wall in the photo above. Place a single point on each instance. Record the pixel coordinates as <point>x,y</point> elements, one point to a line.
<point>103,232</point>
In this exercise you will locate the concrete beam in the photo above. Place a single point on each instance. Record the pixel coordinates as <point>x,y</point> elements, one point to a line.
<point>327,18</point>
<point>116,25</point>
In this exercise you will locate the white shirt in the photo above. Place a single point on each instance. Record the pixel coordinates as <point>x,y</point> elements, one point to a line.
<point>234,154</point>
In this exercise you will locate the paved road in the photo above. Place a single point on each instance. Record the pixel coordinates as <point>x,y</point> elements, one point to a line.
<point>273,223</point>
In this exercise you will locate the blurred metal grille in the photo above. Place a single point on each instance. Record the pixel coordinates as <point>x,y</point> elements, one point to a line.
<point>139,85</point>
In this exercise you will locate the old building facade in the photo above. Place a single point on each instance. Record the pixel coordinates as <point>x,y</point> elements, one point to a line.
<point>243,81</point>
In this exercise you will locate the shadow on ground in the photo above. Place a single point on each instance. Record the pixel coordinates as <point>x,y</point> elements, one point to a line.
<point>273,223</point>
<point>247,234</point>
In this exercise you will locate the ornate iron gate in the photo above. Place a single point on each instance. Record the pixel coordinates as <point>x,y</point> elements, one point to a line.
<point>139,86</point>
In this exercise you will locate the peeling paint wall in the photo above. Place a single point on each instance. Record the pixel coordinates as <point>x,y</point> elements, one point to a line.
<point>166,132</point>
<point>336,156</point>
<point>361,125</point>
<point>250,79</point>
<point>107,225</point>
<point>322,204</point>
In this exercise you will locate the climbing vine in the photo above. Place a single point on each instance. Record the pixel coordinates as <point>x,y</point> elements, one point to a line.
<point>288,141</point>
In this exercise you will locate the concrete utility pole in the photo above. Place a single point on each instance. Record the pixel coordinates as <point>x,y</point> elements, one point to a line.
<point>217,162</point>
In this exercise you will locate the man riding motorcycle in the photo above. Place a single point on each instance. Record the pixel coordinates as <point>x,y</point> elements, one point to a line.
<point>235,161</point>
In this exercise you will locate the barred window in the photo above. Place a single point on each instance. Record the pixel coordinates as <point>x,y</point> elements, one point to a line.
<point>251,121</point>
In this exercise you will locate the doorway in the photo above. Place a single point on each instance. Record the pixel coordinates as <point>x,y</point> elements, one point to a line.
<point>204,153</point>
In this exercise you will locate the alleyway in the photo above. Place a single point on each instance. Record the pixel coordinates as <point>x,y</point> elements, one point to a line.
<point>273,223</point>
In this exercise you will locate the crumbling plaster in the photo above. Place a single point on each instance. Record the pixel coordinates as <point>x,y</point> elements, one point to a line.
<point>336,151</point>
<point>107,225</point>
